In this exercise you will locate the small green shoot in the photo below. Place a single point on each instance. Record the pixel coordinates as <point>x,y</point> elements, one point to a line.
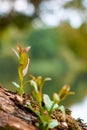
<point>63,93</point>
<point>46,121</point>
<point>45,104</point>
<point>23,60</point>
<point>37,83</point>
<point>49,105</point>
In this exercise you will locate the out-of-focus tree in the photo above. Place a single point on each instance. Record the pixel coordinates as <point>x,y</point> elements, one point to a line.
<point>23,12</point>
<point>59,52</point>
<point>19,17</point>
<point>76,4</point>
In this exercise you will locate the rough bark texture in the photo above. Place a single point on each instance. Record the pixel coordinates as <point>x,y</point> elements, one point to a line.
<point>14,116</point>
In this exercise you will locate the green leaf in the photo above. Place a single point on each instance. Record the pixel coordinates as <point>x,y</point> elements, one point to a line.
<point>48,103</point>
<point>16,53</point>
<point>53,123</point>
<point>33,83</point>
<point>64,92</point>
<point>15,84</point>
<point>25,70</point>
<point>56,98</point>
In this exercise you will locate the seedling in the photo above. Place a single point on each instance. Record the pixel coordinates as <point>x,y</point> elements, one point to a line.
<point>23,61</point>
<point>45,104</point>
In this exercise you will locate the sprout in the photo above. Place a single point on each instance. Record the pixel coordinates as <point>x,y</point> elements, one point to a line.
<point>45,104</point>
<point>23,60</point>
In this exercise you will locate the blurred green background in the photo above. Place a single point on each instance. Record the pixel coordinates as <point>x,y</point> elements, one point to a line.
<point>57,33</point>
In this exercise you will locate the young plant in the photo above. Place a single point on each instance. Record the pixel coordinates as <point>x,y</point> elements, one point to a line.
<point>44,113</point>
<point>49,105</point>
<point>63,93</point>
<point>45,104</point>
<point>23,60</point>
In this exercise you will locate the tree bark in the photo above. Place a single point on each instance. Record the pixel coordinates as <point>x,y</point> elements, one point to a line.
<point>12,115</point>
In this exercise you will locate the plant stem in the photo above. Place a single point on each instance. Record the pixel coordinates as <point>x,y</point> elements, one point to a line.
<point>26,83</point>
<point>51,110</point>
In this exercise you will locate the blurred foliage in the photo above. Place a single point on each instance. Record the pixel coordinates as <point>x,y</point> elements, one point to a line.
<point>78,4</point>
<point>43,43</point>
<point>8,70</point>
<point>59,52</point>
<point>67,62</point>
<point>21,19</point>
